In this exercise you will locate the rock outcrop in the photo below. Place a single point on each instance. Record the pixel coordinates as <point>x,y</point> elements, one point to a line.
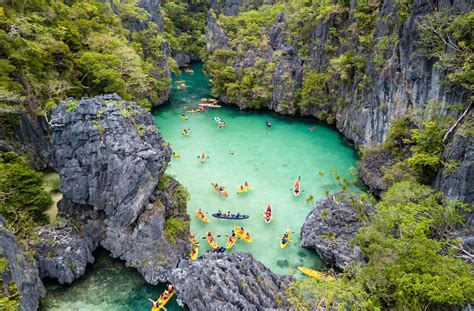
<point>110,158</point>
<point>229,282</point>
<point>19,278</point>
<point>331,226</point>
<point>64,250</point>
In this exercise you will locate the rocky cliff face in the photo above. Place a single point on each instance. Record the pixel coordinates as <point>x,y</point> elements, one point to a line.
<point>331,226</point>
<point>19,278</point>
<point>391,81</point>
<point>229,282</point>
<point>110,158</point>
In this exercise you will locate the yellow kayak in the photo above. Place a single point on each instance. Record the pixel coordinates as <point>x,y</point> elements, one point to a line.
<point>193,239</point>
<point>242,234</point>
<point>316,274</point>
<point>211,240</point>
<point>202,216</point>
<point>176,155</point>
<point>162,302</point>
<point>231,242</point>
<point>243,188</point>
<point>194,253</point>
<point>184,117</point>
<point>285,244</point>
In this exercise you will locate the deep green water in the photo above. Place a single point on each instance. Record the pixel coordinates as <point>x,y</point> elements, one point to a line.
<point>107,286</point>
<point>269,159</point>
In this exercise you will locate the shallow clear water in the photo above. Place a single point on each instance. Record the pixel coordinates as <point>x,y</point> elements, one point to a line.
<point>269,159</point>
<point>107,286</point>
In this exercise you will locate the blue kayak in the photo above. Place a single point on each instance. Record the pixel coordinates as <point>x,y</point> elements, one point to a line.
<point>232,216</point>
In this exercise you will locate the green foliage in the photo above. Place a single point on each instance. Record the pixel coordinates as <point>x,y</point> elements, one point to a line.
<point>175,227</point>
<point>347,65</point>
<point>10,298</point>
<point>57,49</point>
<point>411,259</point>
<point>23,200</point>
<point>448,38</point>
<point>398,134</point>
<point>180,196</point>
<point>315,90</point>
<point>164,182</point>
<point>381,48</point>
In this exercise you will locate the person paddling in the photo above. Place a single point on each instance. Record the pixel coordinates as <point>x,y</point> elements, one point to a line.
<point>269,124</point>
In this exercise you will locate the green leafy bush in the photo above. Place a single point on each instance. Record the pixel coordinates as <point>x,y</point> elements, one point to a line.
<point>175,227</point>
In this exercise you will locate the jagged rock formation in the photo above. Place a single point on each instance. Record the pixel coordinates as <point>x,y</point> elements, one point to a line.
<point>229,282</point>
<point>20,271</point>
<point>110,158</point>
<point>64,250</point>
<point>331,226</point>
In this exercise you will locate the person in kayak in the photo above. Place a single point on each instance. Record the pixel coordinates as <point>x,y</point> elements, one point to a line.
<point>165,295</point>
<point>238,216</point>
<point>284,240</point>
<point>221,188</point>
<point>246,184</point>
<point>247,236</point>
<point>229,215</point>
<point>219,213</point>
<point>269,124</point>
<point>242,187</point>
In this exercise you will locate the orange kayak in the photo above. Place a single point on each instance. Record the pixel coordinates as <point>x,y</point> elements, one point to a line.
<point>223,192</point>
<point>193,239</point>
<point>268,218</point>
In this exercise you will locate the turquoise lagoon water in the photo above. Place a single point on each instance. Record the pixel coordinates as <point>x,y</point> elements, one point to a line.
<point>270,159</point>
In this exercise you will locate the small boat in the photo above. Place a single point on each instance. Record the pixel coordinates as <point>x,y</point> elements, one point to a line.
<point>243,188</point>
<point>269,210</point>
<point>193,239</point>
<point>194,253</point>
<point>162,302</point>
<point>243,235</point>
<point>209,105</point>
<point>187,70</point>
<point>231,242</point>
<point>203,157</point>
<point>175,155</point>
<point>211,240</point>
<point>223,192</point>
<point>202,216</point>
<point>219,120</point>
<point>296,187</point>
<point>185,132</point>
<point>268,123</point>
<point>285,244</point>
<point>316,274</point>
<point>184,117</point>
<point>232,216</point>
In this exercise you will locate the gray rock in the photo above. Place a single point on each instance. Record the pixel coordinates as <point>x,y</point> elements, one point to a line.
<point>111,158</point>
<point>330,227</point>
<point>229,282</point>
<point>64,250</point>
<point>182,58</point>
<point>21,271</point>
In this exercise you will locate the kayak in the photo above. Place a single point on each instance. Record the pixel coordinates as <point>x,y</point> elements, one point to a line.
<point>202,216</point>
<point>194,253</point>
<point>232,216</point>
<point>203,157</point>
<point>193,110</point>
<point>211,240</point>
<point>185,133</point>
<point>269,208</point>
<point>193,239</point>
<point>316,274</point>
<point>176,155</point>
<point>243,189</point>
<point>230,242</point>
<point>162,303</point>
<point>243,235</point>
<point>283,245</point>
<point>296,188</point>
<point>184,117</point>
<point>223,192</point>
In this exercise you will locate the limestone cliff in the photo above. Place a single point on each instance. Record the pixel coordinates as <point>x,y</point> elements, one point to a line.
<point>111,158</point>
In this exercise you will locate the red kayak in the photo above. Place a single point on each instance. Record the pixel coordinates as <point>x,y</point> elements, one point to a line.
<point>296,187</point>
<point>268,215</point>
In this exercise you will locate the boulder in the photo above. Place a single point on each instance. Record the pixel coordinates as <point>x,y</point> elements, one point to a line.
<point>330,227</point>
